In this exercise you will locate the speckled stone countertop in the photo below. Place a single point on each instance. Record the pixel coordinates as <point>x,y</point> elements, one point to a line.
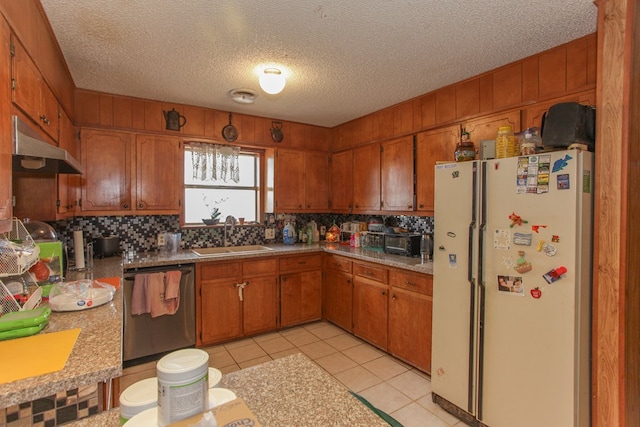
<point>294,391</point>
<point>156,259</point>
<point>96,355</point>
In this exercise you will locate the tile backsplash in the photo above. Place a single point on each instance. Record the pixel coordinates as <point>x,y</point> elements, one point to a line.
<point>140,233</point>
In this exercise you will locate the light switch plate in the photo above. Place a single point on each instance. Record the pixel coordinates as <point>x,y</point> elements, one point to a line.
<point>161,239</point>
<point>269,233</point>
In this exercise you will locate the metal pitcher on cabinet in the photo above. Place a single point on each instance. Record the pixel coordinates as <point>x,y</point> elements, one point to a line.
<point>174,119</point>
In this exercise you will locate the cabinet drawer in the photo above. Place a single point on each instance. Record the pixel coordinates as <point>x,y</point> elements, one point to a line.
<point>422,283</point>
<point>370,271</point>
<point>339,263</point>
<point>302,262</point>
<point>216,270</point>
<point>259,267</point>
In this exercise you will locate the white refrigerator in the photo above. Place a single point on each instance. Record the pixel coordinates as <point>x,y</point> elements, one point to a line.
<point>512,290</point>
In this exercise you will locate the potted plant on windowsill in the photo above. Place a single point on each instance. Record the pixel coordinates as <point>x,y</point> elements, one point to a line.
<point>214,213</point>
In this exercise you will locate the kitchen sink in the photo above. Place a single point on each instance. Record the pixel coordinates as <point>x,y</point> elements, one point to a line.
<point>213,252</point>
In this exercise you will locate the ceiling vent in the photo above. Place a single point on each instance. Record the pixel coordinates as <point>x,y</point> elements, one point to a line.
<point>242,96</point>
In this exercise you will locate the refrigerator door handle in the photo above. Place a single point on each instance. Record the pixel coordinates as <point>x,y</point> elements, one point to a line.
<point>481,287</point>
<point>472,285</point>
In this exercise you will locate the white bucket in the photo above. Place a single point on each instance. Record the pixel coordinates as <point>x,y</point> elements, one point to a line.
<point>144,395</point>
<point>138,397</point>
<point>182,385</point>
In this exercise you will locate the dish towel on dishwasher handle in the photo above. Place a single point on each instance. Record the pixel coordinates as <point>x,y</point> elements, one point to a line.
<point>172,291</point>
<point>139,293</point>
<point>155,295</point>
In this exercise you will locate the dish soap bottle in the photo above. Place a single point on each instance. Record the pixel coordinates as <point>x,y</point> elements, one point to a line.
<point>288,234</point>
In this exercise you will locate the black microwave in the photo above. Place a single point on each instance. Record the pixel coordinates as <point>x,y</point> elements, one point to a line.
<point>402,244</point>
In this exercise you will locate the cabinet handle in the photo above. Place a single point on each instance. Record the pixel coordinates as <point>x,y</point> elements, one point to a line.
<point>384,293</point>
<point>410,283</point>
<point>126,206</point>
<point>410,206</point>
<point>141,205</point>
<point>44,119</point>
<point>421,206</point>
<point>393,297</point>
<point>302,262</point>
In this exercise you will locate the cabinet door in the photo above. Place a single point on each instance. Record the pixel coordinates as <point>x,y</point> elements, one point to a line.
<point>26,81</point>
<point>260,304</point>
<point>68,184</point>
<point>370,311</point>
<point>396,168</point>
<point>159,174</point>
<point>342,181</point>
<point>338,298</point>
<point>366,178</point>
<point>289,180</point>
<point>300,297</point>
<point>49,114</point>
<point>316,186</point>
<point>431,147</point>
<point>106,158</point>
<point>6,209</point>
<point>487,127</point>
<point>410,327</point>
<point>221,311</point>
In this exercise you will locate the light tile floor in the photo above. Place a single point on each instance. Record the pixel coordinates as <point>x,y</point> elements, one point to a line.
<point>389,384</point>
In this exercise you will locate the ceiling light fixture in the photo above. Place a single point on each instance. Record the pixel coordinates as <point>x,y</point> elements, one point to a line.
<point>272,81</point>
<point>242,96</point>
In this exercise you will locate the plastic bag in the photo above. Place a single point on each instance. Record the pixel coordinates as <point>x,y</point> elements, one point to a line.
<point>80,295</point>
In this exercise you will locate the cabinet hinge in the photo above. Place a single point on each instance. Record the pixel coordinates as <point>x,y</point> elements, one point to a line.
<point>57,203</point>
<point>80,202</point>
<point>13,84</point>
<point>381,149</point>
<point>12,49</point>
<point>381,204</point>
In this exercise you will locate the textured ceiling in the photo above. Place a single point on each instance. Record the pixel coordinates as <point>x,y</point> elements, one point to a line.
<point>343,59</point>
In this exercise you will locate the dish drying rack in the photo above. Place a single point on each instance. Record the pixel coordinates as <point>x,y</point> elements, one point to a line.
<point>18,253</point>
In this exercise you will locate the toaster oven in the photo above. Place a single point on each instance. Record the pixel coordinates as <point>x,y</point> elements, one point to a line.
<point>402,244</point>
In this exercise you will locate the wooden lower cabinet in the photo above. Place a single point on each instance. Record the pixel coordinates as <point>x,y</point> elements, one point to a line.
<point>338,291</point>
<point>236,299</point>
<point>300,289</point>
<point>370,311</point>
<point>410,309</point>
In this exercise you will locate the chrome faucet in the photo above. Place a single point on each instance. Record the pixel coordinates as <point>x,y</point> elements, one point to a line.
<point>230,219</point>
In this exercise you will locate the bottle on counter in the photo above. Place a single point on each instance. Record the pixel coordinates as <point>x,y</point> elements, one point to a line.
<point>289,234</point>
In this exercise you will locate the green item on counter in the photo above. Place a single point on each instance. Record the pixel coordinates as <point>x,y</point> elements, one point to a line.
<point>388,418</point>
<point>22,332</point>
<point>25,319</point>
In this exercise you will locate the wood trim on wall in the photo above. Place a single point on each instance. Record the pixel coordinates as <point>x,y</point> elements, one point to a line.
<point>616,323</point>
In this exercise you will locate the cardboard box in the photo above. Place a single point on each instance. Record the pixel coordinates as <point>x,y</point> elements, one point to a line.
<point>231,414</point>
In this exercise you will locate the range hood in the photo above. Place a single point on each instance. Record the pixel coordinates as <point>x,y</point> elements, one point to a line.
<point>32,154</point>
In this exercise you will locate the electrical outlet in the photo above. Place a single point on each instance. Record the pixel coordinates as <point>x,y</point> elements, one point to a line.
<point>323,230</point>
<point>269,233</point>
<point>161,239</point>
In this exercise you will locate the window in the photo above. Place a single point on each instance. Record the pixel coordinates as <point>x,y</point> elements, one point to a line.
<point>240,199</point>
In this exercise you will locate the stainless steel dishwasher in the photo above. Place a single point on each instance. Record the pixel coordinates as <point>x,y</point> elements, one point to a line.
<point>146,337</point>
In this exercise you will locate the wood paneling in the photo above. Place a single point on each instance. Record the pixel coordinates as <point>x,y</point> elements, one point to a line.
<point>5,133</point>
<point>507,86</point>
<point>446,104</point>
<point>122,112</point>
<point>403,118</point>
<point>383,126</point>
<point>468,98</point>
<point>195,120</point>
<point>428,110</point>
<point>577,60</point>
<point>553,72</point>
<point>530,79</point>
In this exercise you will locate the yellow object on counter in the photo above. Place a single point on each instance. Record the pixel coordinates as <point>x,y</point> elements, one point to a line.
<point>36,355</point>
<point>506,144</point>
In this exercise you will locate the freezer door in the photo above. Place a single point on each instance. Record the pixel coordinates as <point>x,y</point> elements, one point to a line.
<point>455,284</point>
<point>535,351</point>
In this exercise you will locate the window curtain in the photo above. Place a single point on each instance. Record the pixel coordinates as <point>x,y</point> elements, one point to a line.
<point>213,162</point>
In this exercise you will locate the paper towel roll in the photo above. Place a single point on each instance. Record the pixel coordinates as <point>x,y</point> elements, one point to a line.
<point>78,248</point>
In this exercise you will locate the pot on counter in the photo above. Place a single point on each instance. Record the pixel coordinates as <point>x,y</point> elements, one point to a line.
<point>106,246</point>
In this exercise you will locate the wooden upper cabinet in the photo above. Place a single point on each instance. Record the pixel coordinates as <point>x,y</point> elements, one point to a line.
<point>342,181</point>
<point>31,93</point>
<point>289,184</point>
<point>6,208</point>
<point>68,184</point>
<point>397,174</point>
<point>159,174</point>
<point>301,181</point>
<point>106,159</point>
<point>431,147</point>
<point>366,178</point>
<point>316,181</point>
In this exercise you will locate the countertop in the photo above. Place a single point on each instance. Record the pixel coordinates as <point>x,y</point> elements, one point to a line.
<point>294,391</point>
<point>157,259</point>
<point>96,355</point>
